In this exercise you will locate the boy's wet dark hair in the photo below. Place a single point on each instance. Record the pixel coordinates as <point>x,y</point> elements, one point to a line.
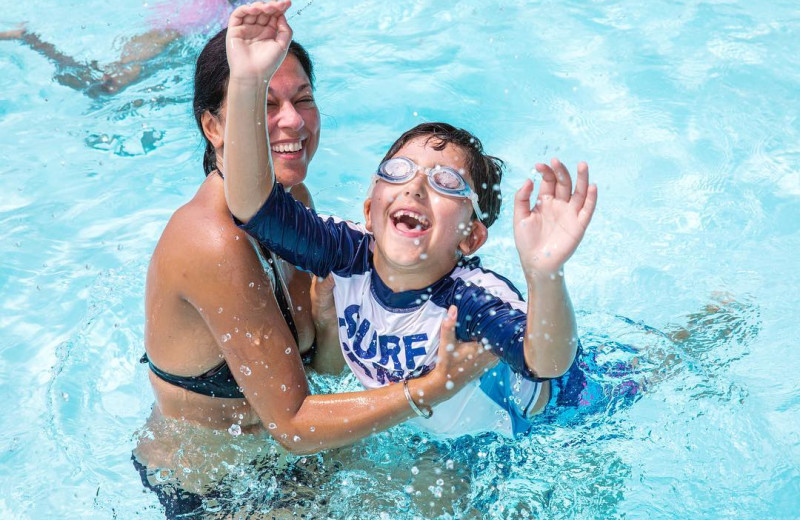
<point>485,170</point>
<point>211,83</point>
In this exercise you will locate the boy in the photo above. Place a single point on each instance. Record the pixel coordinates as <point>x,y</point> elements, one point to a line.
<point>400,275</point>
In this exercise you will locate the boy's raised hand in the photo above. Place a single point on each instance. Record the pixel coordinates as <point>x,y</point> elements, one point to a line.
<point>548,234</point>
<point>258,39</point>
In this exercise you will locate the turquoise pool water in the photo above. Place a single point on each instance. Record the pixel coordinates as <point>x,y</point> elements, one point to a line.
<point>685,111</point>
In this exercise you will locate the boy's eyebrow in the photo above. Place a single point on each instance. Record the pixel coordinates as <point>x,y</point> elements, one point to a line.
<point>298,89</point>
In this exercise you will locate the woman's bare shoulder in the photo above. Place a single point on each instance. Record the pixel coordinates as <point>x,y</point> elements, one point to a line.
<point>201,234</point>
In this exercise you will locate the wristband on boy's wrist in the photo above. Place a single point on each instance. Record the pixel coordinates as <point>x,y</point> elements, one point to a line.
<point>425,411</point>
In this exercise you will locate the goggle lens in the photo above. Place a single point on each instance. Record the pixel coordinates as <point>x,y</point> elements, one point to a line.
<point>447,179</point>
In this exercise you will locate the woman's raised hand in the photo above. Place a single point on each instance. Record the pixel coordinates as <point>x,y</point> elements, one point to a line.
<point>258,39</point>
<point>548,234</point>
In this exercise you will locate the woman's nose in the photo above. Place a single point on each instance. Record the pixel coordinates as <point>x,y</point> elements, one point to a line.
<point>288,117</point>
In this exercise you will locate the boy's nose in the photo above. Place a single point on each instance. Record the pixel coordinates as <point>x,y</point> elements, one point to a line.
<point>417,185</point>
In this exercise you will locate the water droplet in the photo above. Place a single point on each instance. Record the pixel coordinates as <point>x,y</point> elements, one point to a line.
<point>244,369</point>
<point>449,385</point>
<point>251,284</point>
<point>423,256</point>
<point>313,429</point>
<point>449,464</point>
<point>219,311</point>
<point>414,470</point>
<point>235,430</point>
<point>272,426</point>
<point>65,396</point>
<point>225,338</point>
<point>163,475</point>
<point>440,482</point>
<point>296,438</point>
<point>450,347</point>
<point>288,350</point>
<point>283,388</point>
<point>416,241</point>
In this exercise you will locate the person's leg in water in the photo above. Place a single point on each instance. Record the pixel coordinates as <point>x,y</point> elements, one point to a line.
<point>89,77</point>
<point>169,23</point>
<point>585,390</point>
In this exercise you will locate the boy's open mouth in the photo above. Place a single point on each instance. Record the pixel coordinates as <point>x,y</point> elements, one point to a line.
<point>409,221</point>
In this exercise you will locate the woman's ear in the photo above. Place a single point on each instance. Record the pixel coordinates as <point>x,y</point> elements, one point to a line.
<point>476,237</point>
<point>213,129</point>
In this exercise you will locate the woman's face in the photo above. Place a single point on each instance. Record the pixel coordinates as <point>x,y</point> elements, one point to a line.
<point>292,122</point>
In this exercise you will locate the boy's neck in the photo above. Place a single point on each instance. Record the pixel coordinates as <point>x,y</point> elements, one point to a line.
<point>409,278</point>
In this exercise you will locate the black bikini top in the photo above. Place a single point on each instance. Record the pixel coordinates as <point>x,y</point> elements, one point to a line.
<point>219,381</point>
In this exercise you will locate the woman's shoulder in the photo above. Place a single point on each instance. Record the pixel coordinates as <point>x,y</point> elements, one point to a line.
<point>203,229</point>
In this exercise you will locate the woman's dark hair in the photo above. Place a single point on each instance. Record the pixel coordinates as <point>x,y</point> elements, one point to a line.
<point>211,83</point>
<point>485,170</point>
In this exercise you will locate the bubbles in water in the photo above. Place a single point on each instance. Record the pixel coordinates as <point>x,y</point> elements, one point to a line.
<point>414,470</point>
<point>244,369</point>
<point>235,430</point>
<point>449,464</point>
<point>65,396</point>
<point>449,385</point>
<point>163,475</point>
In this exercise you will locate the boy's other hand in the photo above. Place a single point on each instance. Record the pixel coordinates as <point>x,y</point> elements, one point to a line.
<point>548,234</point>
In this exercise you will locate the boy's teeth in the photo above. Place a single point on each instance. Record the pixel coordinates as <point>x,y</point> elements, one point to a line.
<point>287,147</point>
<point>411,220</point>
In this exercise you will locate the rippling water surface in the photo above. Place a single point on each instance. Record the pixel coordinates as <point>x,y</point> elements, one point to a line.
<point>685,111</point>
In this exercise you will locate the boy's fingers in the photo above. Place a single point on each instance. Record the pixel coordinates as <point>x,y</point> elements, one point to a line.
<point>585,214</point>
<point>284,36</point>
<point>548,186</point>
<point>581,186</point>
<point>522,201</point>
<point>563,180</point>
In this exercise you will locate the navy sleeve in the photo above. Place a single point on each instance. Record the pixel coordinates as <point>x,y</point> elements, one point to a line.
<point>484,317</point>
<point>303,238</point>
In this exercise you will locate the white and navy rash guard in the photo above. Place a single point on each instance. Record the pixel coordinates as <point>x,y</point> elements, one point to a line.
<point>387,336</point>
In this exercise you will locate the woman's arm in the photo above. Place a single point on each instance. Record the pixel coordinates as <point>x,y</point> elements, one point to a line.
<point>234,296</point>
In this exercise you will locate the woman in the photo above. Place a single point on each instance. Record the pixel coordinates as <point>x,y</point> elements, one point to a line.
<point>227,323</point>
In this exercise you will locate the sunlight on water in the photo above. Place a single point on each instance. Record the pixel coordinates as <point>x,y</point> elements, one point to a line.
<point>685,285</point>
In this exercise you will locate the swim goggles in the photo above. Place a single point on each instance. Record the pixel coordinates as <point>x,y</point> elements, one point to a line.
<point>445,180</point>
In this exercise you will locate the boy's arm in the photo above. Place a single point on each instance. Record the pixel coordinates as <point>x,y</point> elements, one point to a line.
<point>546,237</point>
<point>257,41</point>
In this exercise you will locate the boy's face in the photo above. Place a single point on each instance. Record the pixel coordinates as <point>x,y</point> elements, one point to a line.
<point>416,228</point>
